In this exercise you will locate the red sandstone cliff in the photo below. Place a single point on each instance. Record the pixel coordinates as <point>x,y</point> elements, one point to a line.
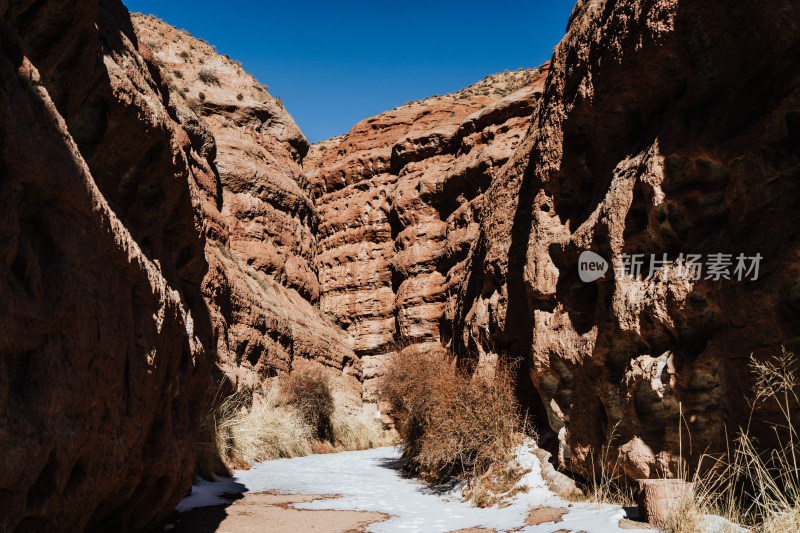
<point>399,198</point>
<point>661,128</point>
<point>664,127</point>
<point>262,277</point>
<point>106,343</point>
<point>147,236</point>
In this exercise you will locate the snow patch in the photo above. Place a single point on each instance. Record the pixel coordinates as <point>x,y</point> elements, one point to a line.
<point>372,480</point>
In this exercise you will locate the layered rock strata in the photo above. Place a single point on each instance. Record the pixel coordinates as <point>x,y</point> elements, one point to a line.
<point>262,280</point>
<point>398,198</point>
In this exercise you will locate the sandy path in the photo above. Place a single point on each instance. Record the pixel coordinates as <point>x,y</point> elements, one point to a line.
<point>264,512</point>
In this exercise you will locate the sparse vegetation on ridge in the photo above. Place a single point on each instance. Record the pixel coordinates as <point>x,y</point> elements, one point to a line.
<point>208,77</point>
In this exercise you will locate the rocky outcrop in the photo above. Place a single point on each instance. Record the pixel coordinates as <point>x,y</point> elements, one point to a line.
<point>106,343</point>
<point>399,197</point>
<point>262,279</point>
<point>664,128</point>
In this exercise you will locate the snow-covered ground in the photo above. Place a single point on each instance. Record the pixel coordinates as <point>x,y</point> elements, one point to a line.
<point>372,481</point>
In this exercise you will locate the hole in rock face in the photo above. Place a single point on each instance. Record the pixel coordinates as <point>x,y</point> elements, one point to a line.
<point>793,127</point>
<point>76,476</point>
<point>635,235</point>
<point>652,415</point>
<point>254,355</point>
<point>45,485</point>
<point>532,407</point>
<point>397,279</point>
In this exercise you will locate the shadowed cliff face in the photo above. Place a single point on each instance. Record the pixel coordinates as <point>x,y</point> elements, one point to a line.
<point>106,342</point>
<point>138,247</point>
<point>664,127</point>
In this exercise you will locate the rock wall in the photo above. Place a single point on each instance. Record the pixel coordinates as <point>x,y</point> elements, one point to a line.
<point>148,236</point>
<point>262,280</point>
<point>162,214</point>
<point>399,197</point>
<point>106,343</point>
<point>664,128</point>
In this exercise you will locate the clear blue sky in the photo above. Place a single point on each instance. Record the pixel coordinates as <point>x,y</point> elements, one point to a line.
<point>335,63</point>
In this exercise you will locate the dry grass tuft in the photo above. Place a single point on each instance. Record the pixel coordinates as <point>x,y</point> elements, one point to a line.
<point>211,459</point>
<point>269,430</point>
<point>451,423</point>
<point>607,484</point>
<point>238,429</point>
<point>297,416</point>
<point>354,430</point>
<point>754,485</point>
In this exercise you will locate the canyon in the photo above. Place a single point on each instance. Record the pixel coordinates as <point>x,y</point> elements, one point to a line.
<point>168,230</point>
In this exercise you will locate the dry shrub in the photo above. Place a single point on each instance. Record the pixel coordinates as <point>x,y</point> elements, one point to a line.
<point>450,422</point>
<point>497,485</point>
<point>269,430</point>
<point>207,76</point>
<point>308,389</point>
<point>297,416</point>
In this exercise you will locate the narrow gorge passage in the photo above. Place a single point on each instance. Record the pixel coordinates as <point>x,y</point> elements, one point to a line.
<point>594,249</point>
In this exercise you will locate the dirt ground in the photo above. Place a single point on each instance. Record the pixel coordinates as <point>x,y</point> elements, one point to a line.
<point>265,512</point>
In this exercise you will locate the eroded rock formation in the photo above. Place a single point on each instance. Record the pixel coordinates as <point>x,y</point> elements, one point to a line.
<point>664,128</point>
<point>399,198</point>
<point>105,345</point>
<point>262,278</point>
<point>147,236</point>
<point>162,214</point>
